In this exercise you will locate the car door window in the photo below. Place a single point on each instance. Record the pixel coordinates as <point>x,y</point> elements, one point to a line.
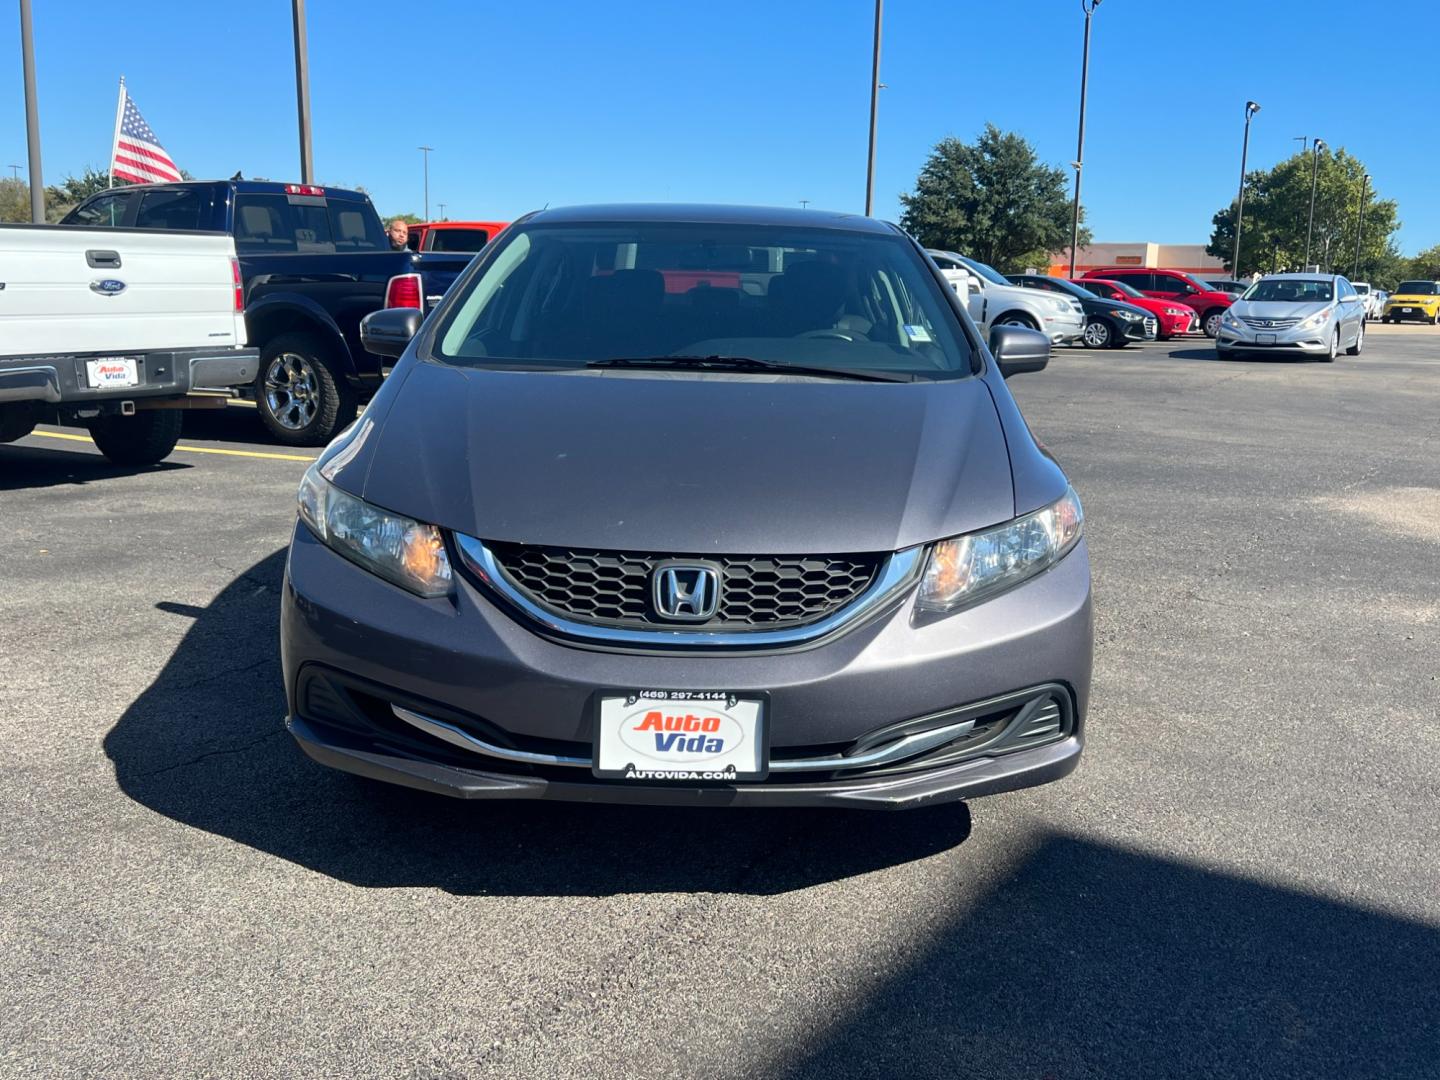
<point>106,212</point>
<point>1137,280</point>
<point>1171,286</point>
<point>174,209</point>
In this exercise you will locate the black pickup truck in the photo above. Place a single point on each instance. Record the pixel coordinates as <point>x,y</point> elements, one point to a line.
<point>312,262</point>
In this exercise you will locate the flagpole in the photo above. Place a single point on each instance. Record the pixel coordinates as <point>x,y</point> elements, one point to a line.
<point>115,142</point>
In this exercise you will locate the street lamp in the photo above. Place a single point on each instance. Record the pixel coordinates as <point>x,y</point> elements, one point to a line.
<point>1251,108</point>
<point>1087,6</point>
<point>1360,225</point>
<point>302,92</point>
<point>425,153</point>
<point>442,210</point>
<point>1314,177</point>
<point>874,108</point>
<point>32,114</point>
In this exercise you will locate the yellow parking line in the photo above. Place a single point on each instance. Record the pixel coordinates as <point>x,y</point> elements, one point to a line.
<point>191,449</point>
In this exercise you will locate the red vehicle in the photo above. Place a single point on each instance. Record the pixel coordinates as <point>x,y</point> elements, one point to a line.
<point>1171,316</point>
<point>1172,285</point>
<point>452,235</point>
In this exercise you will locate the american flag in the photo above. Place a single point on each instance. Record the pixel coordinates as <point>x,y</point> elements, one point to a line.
<point>139,157</point>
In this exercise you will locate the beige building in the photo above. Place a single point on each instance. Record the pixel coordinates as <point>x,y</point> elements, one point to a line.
<point>1188,257</point>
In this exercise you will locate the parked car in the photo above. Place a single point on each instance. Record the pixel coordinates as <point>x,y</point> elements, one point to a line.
<point>1419,300</point>
<point>1370,297</point>
<point>1109,324</point>
<point>1171,316</point>
<point>993,301</point>
<point>1299,314</point>
<point>110,329</point>
<point>851,578</point>
<point>1235,288</point>
<point>1172,285</point>
<point>468,236</point>
<point>313,262</point>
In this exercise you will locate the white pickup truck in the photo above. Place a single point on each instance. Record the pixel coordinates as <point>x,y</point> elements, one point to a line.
<point>112,328</point>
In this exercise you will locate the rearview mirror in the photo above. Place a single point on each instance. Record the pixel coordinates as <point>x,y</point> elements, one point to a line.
<point>387,332</point>
<point>1019,350</point>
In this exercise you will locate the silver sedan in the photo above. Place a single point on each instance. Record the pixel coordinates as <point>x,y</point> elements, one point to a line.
<point>1299,314</point>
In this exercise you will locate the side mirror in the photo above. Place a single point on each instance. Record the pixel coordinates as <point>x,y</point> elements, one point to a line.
<point>387,332</point>
<point>1019,350</point>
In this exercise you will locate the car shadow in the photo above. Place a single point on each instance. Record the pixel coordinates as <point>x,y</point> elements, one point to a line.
<point>205,746</point>
<point>26,467</point>
<point>1248,358</point>
<point>232,424</point>
<point>1093,961</point>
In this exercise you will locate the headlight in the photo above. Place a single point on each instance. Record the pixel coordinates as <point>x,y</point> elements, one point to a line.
<point>1231,319</point>
<point>1176,312</point>
<point>1059,305</point>
<point>966,569</point>
<point>1121,313</point>
<point>1316,320</point>
<point>399,549</point>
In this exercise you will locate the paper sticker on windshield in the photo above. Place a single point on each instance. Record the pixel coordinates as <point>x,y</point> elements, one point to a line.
<point>917,334</point>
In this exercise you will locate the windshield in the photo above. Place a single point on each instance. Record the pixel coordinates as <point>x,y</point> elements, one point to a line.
<point>1202,286</point>
<point>1060,285</point>
<point>1127,290</point>
<point>1361,287</point>
<point>1416,288</point>
<point>575,294</point>
<point>1291,291</point>
<point>989,273</point>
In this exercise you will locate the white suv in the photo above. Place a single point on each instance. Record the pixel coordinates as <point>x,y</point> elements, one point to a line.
<point>994,301</point>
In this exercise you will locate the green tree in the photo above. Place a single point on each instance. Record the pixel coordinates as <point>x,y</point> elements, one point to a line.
<point>1425,266</point>
<point>992,200</point>
<point>409,219</point>
<point>1277,208</point>
<point>14,200</point>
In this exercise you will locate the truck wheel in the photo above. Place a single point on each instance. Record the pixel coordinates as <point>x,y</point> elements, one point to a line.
<point>16,421</point>
<point>142,439</point>
<point>301,396</point>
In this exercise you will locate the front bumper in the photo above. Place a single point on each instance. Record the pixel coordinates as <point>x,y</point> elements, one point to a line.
<point>1294,340</point>
<point>1409,312</point>
<point>1065,329</point>
<point>466,660</point>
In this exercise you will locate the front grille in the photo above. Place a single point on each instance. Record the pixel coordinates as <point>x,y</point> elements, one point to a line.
<point>613,588</point>
<point>1150,325</point>
<point>1268,324</point>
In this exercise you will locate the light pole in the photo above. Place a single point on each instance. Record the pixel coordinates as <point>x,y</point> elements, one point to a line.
<point>1251,108</point>
<point>15,171</point>
<point>1314,177</point>
<point>1087,6</point>
<point>302,92</point>
<point>32,114</point>
<point>874,108</point>
<point>425,153</point>
<point>442,210</point>
<point>1360,225</point>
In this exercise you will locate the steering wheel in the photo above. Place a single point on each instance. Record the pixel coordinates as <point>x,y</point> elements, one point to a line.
<point>840,335</point>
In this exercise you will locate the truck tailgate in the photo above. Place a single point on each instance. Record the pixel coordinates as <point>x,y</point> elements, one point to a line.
<point>66,290</point>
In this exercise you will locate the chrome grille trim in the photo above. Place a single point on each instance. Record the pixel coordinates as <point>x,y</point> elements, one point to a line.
<point>1268,324</point>
<point>897,572</point>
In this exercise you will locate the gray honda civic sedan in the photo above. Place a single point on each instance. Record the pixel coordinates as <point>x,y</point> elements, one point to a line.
<point>692,506</point>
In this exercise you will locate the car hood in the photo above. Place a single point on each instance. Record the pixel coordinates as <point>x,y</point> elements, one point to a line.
<point>1100,305</point>
<point>686,462</point>
<point>1276,309</point>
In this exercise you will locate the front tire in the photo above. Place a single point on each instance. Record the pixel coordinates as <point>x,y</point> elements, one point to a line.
<point>143,439</point>
<point>1211,322</point>
<point>1329,358</point>
<point>302,397</point>
<point>1099,335</point>
<point>1355,350</point>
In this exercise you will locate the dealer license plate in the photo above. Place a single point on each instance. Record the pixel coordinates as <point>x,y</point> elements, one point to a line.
<point>112,371</point>
<point>681,735</point>
<point>1408,311</point>
<point>1264,339</point>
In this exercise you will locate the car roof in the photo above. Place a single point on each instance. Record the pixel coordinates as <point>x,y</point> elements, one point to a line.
<point>706,214</point>
<point>1298,276</point>
<point>249,187</point>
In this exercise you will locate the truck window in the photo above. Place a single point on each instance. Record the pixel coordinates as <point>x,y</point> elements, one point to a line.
<point>356,227</point>
<point>263,224</point>
<point>106,212</point>
<point>463,240</point>
<point>177,209</point>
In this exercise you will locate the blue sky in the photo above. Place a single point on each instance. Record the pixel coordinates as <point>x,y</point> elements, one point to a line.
<point>754,102</point>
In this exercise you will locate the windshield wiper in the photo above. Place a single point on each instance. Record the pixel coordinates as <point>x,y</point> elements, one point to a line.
<point>749,363</point>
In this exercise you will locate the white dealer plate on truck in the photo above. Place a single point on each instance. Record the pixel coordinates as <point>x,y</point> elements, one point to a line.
<point>112,372</point>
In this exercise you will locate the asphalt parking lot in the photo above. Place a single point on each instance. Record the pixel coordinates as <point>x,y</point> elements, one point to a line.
<point>1242,879</point>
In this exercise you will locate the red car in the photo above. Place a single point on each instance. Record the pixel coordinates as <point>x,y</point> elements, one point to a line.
<point>452,235</point>
<point>1171,316</point>
<point>1172,285</point>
